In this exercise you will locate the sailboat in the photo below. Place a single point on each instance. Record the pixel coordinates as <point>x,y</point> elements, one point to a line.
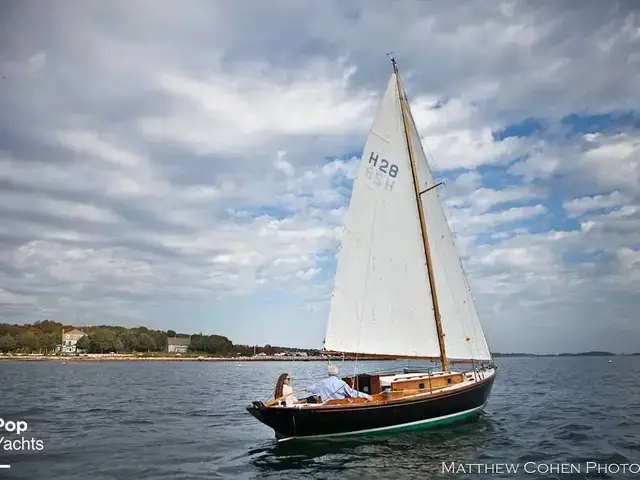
<point>400,292</point>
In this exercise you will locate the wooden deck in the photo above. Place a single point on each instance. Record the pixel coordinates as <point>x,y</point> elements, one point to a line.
<point>414,386</point>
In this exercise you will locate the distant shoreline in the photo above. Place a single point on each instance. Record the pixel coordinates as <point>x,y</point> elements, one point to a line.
<point>124,357</point>
<point>96,357</point>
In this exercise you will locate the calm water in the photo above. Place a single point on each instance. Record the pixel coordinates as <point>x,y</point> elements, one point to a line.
<point>187,420</point>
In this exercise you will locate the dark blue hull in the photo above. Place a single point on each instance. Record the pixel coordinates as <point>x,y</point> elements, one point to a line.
<point>309,422</point>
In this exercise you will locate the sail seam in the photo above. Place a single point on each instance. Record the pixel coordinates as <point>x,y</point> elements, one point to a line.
<point>380,136</point>
<point>366,282</point>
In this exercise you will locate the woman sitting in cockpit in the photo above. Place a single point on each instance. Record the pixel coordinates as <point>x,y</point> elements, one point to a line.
<point>284,388</point>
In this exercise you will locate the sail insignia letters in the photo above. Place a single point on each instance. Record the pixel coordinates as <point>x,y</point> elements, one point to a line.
<point>381,171</point>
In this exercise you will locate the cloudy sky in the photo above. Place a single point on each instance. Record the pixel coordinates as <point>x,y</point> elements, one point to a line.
<point>187,165</point>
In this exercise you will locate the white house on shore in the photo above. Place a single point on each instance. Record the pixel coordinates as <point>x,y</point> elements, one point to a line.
<point>178,345</point>
<point>70,340</point>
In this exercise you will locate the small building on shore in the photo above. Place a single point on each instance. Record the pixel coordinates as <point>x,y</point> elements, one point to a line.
<point>178,344</point>
<point>70,339</point>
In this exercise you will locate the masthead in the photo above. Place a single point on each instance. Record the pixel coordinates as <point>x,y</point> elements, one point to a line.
<point>393,62</point>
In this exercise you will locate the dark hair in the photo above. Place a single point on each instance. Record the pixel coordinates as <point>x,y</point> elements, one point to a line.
<point>279,384</point>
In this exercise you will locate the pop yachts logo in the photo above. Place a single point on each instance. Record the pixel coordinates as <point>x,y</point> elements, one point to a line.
<point>9,429</point>
<point>13,427</point>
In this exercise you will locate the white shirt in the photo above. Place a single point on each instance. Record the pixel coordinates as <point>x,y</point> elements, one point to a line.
<point>334,387</point>
<point>290,400</point>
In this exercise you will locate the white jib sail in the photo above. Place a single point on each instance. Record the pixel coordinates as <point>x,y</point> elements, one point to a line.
<point>381,302</point>
<point>463,334</point>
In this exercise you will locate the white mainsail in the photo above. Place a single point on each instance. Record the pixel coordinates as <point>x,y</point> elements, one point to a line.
<point>381,302</point>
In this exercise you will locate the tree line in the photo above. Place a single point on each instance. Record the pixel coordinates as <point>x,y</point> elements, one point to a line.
<point>44,338</point>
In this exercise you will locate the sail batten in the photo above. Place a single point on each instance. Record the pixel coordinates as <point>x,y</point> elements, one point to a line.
<point>382,300</point>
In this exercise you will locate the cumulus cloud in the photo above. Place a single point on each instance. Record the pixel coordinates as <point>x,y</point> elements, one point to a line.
<point>149,174</point>
<point>231,113</point>
<point>579,206</point>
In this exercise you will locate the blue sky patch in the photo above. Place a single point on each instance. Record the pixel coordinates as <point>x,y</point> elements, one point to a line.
<point>612,122</point>
<point>525,128</point>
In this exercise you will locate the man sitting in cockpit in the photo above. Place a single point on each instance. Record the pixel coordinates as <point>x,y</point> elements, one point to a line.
<point>333,387</point>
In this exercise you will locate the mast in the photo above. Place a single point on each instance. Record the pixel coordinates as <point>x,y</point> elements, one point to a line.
<point>423,225</point>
